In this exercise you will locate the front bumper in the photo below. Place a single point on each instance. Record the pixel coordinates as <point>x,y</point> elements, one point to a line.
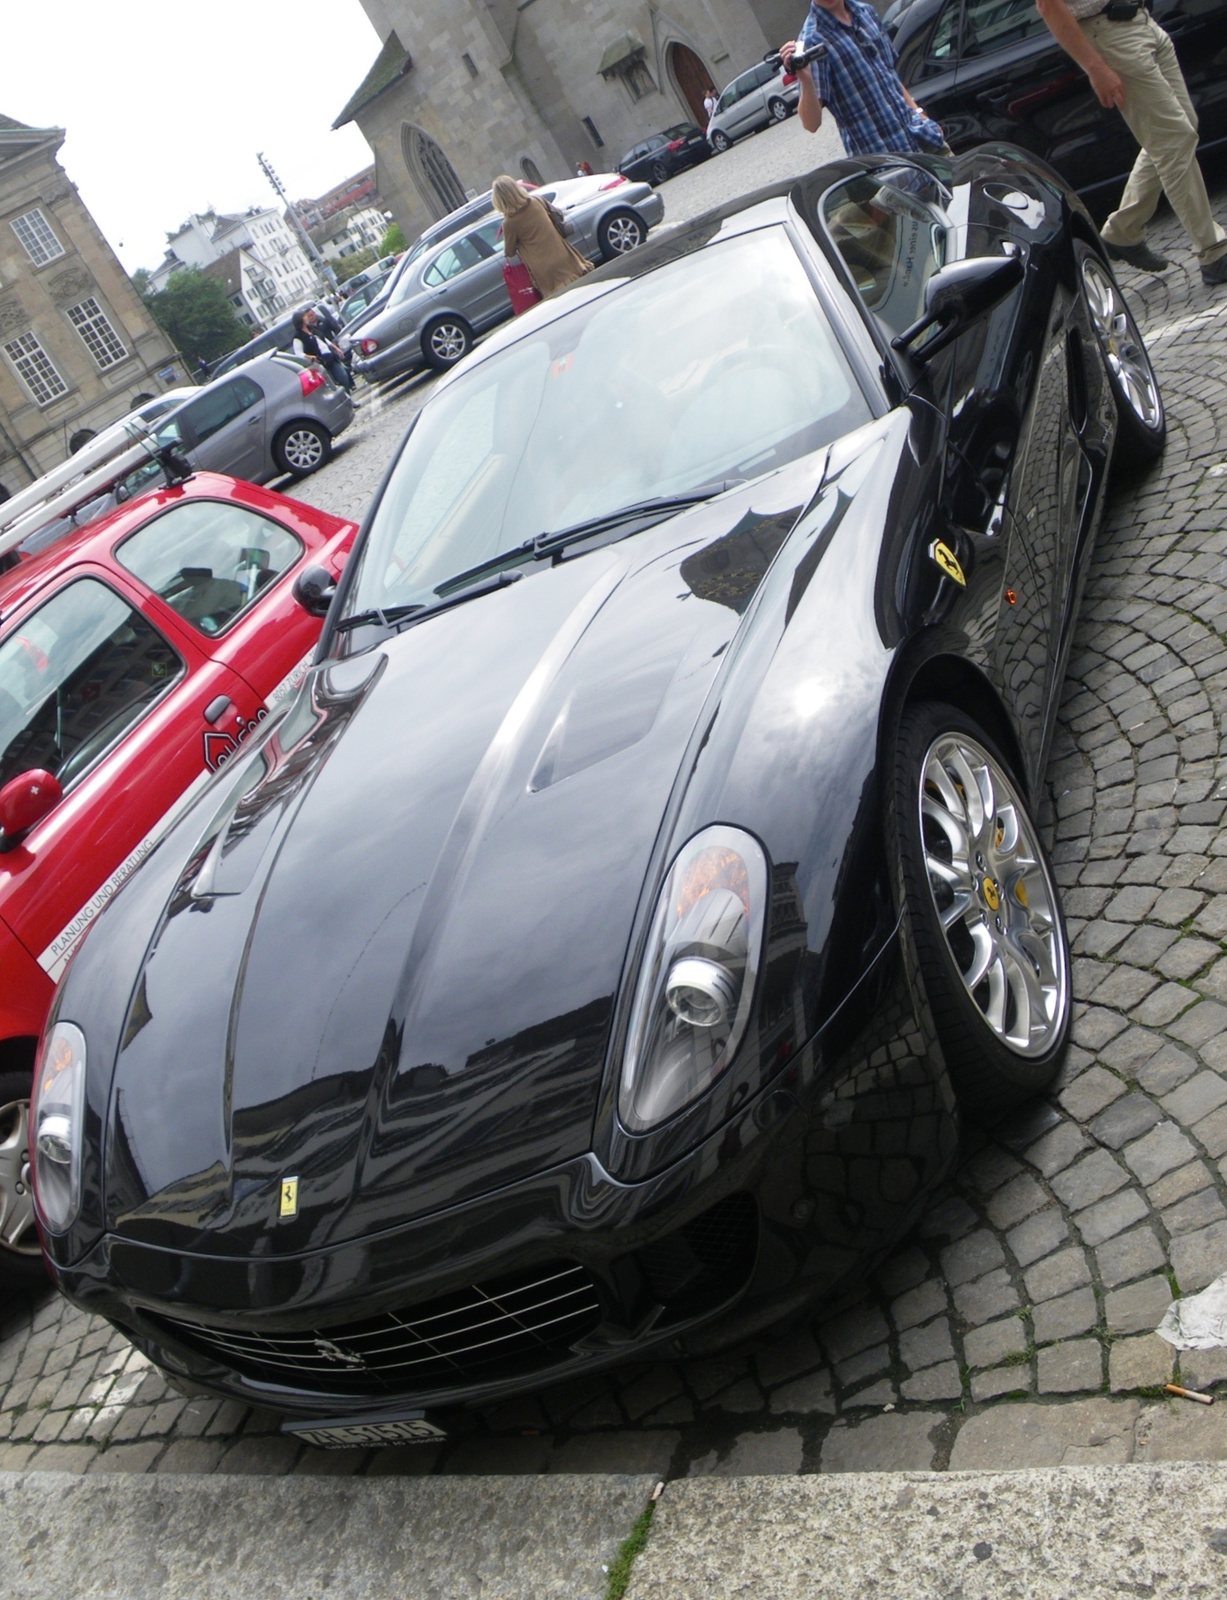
<point>823,1170</point>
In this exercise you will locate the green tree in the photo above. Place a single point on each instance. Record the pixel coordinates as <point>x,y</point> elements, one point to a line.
<point>393,242</point>
<point>196,312</point>
<point>349,266</point>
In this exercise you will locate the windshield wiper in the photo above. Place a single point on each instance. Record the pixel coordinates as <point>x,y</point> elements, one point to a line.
<point>547,544</point>
<point>391,616</point>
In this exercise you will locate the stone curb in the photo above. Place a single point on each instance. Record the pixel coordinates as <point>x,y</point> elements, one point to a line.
<point>216,1538</point>
<point>1066,1534</point>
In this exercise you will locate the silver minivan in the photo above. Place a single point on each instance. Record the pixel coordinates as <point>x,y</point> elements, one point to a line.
<point>753,100</point>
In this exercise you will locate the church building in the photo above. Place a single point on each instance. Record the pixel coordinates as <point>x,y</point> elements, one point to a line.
<point>465,89</point>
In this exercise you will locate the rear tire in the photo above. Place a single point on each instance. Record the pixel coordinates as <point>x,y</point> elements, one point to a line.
<point>777,110</point>
<point>302,447</point>
<point>619,233</point>
<point>21,1259</point>
<point>982,908</point>
<point>659,173</point>
<point>446,341</point>
<point>1141,420</point>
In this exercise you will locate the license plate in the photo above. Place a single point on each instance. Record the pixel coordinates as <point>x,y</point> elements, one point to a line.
<point>346,1432</point>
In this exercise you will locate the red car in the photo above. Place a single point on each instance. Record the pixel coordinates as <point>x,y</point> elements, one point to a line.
<point>135,658</point>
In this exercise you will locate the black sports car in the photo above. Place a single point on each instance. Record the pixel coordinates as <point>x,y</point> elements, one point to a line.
<point>990,69</point>
<point>665,154</point>
<point>598,952</point>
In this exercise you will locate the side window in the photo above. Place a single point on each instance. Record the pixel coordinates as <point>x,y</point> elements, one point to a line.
<point>213,411</point>
<point>992,24</point>
<point>890,228</point>
<point>731,95</point>
<point>209,560</point>
<point>763,74</point>
<point>932,50</point>
<point>490,237</point>
<point>450,263</point>
<point>74,677</point>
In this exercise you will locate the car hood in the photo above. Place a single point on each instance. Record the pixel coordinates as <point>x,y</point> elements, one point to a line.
<point>388,973</point>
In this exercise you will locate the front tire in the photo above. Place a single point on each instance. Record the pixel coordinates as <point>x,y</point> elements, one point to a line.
<point>719,141</point>
<point>1141,421</point>
<point>21,1259</point>
<point>446,341</point>
<point>302,447</point>
<point>982,908</point>
<point>620,233</point>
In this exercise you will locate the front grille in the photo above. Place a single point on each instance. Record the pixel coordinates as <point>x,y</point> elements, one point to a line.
<point>493,1330</point>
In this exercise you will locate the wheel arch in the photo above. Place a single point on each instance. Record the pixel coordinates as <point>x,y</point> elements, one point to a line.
<point>942,674</point>
<point>17,1053</point>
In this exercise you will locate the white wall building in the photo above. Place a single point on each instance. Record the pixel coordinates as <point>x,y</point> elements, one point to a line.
<point>361,228</point>
<point>284,277</point>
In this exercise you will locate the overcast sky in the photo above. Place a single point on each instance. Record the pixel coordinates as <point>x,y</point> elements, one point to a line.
<point>166,105</point>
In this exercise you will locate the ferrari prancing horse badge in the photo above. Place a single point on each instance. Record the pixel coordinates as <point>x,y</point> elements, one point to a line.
<point>289,1197</point>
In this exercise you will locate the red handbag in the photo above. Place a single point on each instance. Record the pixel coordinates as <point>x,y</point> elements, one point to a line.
<point>520,286</point>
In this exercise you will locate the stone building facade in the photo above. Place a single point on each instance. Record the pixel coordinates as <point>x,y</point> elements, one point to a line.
<point>77,345</point>
<point>465,89</point>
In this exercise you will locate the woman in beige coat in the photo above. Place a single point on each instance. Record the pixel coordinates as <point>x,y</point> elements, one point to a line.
<point>530,233</point>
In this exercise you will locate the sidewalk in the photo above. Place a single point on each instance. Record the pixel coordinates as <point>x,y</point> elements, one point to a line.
<point>1068,1534</point>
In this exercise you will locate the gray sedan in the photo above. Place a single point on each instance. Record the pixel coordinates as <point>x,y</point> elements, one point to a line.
<point>275,415</point>
<point>455,290</point>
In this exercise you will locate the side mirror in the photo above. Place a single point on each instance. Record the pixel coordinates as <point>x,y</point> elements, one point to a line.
<point>954,298</point>
<point>25,800</point>
<point>175,464</point>
<point>314,588</point>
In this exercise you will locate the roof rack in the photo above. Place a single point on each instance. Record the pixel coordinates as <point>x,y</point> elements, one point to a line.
<point>96,467</point>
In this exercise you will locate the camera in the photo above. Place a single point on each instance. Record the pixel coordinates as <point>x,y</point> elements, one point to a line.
<point>800,61</point>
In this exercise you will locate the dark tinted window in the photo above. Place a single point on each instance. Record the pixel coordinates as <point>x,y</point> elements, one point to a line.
<point>209,560</point>
<point>74,677</point>
<point>992,24</point>
<point>220,406</point>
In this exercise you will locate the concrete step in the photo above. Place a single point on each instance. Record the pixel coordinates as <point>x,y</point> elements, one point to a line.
<point>130,1537</point>
<point>1073,1533</point>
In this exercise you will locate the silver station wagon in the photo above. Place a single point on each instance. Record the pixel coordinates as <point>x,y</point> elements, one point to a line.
<point>455,290</point>
<point>755,99</point>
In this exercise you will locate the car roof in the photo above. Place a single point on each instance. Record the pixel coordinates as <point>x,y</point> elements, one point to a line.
<point>97,540</point>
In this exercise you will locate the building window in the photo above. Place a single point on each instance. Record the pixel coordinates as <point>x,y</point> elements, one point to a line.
<point>592,133</point>
<point>37,239</point>
<point>101,340</point>
<point>437,180</point>
<point>35,369</point>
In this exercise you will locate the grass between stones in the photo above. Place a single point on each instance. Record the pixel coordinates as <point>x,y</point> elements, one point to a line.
<point>632,1546</point>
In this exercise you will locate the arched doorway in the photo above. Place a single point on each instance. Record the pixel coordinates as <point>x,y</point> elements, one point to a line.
<point>531,170</point>
<point>692,79</point>
<point>436,179</point>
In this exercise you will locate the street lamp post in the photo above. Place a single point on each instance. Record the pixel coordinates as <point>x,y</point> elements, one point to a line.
<point>313,255</point>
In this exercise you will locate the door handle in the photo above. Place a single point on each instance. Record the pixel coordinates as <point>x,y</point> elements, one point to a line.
<point>217,709</point>
<point>994,98</point>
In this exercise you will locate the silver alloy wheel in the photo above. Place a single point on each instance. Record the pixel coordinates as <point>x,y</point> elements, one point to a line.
<point>1121,343</point>
<point>993,894</point>
<point>17,1231</point>
<point>778,111</point>
<point>303,449</point>
<point>447,341</point>
<point>720,141</point>
<point>623,234</point>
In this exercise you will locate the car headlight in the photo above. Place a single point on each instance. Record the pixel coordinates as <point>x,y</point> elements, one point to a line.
<point>696,984</point>
<point>56,1119</point>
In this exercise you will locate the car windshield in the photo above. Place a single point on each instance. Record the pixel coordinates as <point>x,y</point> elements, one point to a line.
<point>718,366</point>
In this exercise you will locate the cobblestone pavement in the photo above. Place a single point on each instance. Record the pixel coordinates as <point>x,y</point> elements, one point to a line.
<point>1015,1327</point>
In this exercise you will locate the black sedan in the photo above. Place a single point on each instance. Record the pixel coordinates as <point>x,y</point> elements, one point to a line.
<point>665,154</point>
<point>599,953</point>
<point>990,70</point>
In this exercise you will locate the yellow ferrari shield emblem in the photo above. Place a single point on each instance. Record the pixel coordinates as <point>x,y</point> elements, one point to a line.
<point>289,1197</point>
<point>948,561</point>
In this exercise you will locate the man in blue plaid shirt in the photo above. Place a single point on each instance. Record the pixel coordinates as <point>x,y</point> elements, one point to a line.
<point>858,81</point>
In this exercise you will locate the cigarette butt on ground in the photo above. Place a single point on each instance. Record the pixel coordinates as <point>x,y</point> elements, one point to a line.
<point>1189,1394</point>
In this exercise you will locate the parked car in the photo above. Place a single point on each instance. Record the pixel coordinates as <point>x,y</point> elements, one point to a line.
<point>277,415</point>
<point>135,661</point>
<point>279,337</point>
<point>361,299</point>
<point>665,154</point>
<point>368,275</point>
<point>990,70</point>
<point>455,291</point>
<point>755,99</point>
<point>594,958</point>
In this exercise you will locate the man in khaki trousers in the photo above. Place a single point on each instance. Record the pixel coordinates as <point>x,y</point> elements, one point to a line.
<point>1132,65</point>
